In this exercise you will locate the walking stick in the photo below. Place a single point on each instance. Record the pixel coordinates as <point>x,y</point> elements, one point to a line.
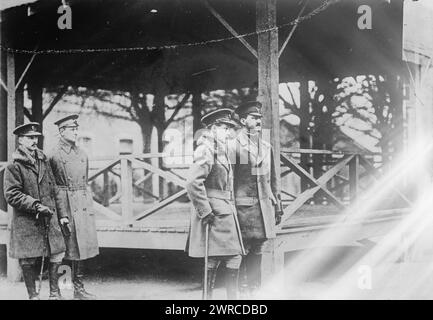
<point>206,258</point>
<point>46,230</point>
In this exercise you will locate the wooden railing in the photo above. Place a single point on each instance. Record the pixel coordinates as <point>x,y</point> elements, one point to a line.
<point>335,186</point>
<point>331,180</point>
<point>123,168</point>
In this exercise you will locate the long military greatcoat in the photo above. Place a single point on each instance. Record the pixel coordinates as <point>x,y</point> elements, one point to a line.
<point>70,168</point>
<point>26,181</point>
<point>210,189</point>
<point>254,186</point>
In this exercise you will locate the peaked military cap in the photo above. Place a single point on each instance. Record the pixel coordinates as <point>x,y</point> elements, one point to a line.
<point>250,107</point>
<point>219,116</point>
<point>68,121</point>
<point>29,129</point>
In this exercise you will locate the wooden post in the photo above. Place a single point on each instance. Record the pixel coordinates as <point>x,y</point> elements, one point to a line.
<point>304,135</point>
<point>154,162</point>
<point>106,189</point>
<point>15,116</point>
<point>126,181</point>
<point>268,75</point>
<point>35,90</point>
<point>268,80</point>
<point>272,261</point>
<point>3,124</point>
<point>196,112</point>
<point>353,178</point>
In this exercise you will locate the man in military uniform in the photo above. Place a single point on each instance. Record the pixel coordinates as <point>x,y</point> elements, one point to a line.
<point>30,189</point>
<point>70,167</point>
<point>210,189</point>
<point>257,201</point>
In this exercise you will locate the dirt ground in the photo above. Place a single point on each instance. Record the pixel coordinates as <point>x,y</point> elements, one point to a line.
<point>154,275</point>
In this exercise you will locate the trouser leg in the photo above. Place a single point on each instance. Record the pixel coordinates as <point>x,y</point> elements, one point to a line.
<point>77,280</point>
<point>53,272</point>
<point>254,274</point>
<point>212,269</point>
<point>29,275</point>
<point>232,276</point>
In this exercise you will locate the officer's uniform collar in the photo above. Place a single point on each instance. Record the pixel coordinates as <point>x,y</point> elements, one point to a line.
<point>66,146</point>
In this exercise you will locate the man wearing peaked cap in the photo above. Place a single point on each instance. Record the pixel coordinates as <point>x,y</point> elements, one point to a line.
<point>252,108</point>
<point>219,116</point>
<point>70,166</point>
<point>257,201</point>
<point>210,189</point>
<point>68,121</point>
<point>30,129</point>
<point>29,188</point>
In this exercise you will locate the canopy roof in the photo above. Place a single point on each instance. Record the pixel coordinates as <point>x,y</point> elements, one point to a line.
<point>175,45</point>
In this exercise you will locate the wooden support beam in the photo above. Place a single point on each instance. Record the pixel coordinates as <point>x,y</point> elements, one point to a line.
<point>106,212</point>
<point>26,69</point>
<point>35,90</point>
<point>273,261</point>
<point>160,205</point>
<point>375,174</point>
<point>56,99</point>
<point>126,182</point>
<point>164,174</point>
<point>229,28</point>
<point>154,161</point>
<point>3,124</point>
<point>319,184</point>
<point>353,178</point>
<point>292,31</point>
<point>106,189</point>
<point>304,134</point>
<point>268,77</point>
<point>15,102</point>
<point>3,84</point>
<point>108,167</point>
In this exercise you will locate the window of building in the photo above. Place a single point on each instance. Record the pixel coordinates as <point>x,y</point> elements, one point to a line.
<point>126,146</point>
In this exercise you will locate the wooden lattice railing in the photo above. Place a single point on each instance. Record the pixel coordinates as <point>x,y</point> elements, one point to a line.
<point>331,180</point>
<point>329,183</point>
<point>123,167</point>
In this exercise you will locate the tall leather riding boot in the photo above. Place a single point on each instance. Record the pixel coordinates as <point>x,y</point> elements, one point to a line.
<point>29,276</point>
<point>211,276</point>
<point>232,278</point>
<point>53,270</point>
<point>254,274</point>
<point>77,279</point>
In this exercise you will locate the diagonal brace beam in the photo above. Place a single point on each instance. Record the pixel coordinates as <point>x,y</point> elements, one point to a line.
<point>292,31</point>
<point>26,69</point>
<point>320,183</point>
<point>229,28</point>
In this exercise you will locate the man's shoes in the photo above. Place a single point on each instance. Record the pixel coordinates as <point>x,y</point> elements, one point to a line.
<point>77,279</point>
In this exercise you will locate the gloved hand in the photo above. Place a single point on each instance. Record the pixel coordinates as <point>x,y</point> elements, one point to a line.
<point>278,215</point>
<point>64,225</point>
<point>42,211</point>
<point>209,219</point>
